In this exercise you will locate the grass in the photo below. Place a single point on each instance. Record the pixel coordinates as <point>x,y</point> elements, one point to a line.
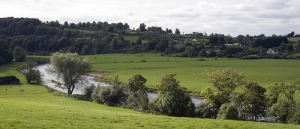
<point>35,107</point>
<point>294,39</point>
<point>134,38</point>
<point>262,71</point>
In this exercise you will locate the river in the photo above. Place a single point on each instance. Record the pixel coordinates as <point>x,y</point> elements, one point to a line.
<point>46,80</point>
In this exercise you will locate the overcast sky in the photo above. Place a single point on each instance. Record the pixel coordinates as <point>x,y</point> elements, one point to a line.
<point>232,17</point>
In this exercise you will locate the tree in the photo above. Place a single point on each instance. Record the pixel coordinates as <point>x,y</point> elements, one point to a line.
<point>252,102</point>
<point>111,95</point>
<point>228,112</point>
<point>177,31</point>
<point>291,34</point>
<point>225,82</point>
<point>142,27</point>
<point>283,109</point>
<point>136,83</point>
<point>206,110</point>
<point>173,99</point>
<point>29,71</point>
<point>139,41</point>
<point>281,102</point>
<point>70,67</point>
<point>6,55</point>
<point>19,54</point>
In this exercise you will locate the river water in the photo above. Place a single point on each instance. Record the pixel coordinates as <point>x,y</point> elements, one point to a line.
<point>46,80</point>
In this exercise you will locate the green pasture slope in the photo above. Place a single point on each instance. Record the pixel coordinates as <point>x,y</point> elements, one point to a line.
<point>294,39</point>
<point>36,108</point>
<point>193,73</point>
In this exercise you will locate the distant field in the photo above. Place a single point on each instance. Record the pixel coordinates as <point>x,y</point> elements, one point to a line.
<point>262,71</point>
<point>133,38</point>
<point>84,31</point>
<point>295,39</point>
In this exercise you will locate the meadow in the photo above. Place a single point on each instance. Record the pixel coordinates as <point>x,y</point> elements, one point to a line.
<point>294,39</point>
<point>192,73</point>
<point>33,106</point>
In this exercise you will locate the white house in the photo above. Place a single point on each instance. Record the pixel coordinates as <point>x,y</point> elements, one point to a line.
<point>272,51</point>
<point>195,40</point>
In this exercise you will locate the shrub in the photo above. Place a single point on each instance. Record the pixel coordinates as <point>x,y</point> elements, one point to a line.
<point>206,110</point>
<point>228,112</point>
<point>137,100</point>
<point>110,95</point>
<point>88,91</point>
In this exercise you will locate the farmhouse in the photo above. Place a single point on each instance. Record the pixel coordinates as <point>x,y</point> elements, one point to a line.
<point>272,51</point>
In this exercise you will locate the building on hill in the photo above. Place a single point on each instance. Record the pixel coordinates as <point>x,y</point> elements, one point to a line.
<point>272,51</point>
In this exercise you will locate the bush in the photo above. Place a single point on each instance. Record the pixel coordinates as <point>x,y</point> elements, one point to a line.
<point>88,91</point>
<point>110,95</point>
<point>9,80</point>
<point>206,110</point>
<point>228,112</point>
<point>137,100</point>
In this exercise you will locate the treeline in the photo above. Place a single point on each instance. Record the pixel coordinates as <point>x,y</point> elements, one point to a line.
<point>43,38</point>
<point>253,103</point>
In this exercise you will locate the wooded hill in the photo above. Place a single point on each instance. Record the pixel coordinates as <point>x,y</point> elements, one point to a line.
<point>44,38</point>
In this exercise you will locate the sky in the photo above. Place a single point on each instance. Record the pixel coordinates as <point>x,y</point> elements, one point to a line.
<point>229,17</point>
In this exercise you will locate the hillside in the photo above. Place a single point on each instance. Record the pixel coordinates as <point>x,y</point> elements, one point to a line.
<point>32,106</point>
<point>36,108</point>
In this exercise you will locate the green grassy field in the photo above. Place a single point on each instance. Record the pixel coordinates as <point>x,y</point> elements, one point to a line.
<point>295,39</point>
<point>35,107</point>
<point>262,71</point>
<point>134,38</point>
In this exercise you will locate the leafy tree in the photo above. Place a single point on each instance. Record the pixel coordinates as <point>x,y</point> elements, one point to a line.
<point>295,116</point>
<point>29,70</point>
<point>286,89</point>
<point>111,95</point>
<point>172,99</point>
<point>291,34</point>
<point>5,53</point>
<point>139,41</point>
<point>70,67</point>
<point>190,52</point>
<point>281,102</point>
<point>84,50</point>
<point>206,110</point>
<point>66,24</point>
<point>136,83</point>
<point>177,31</point>
<point>228,112</point>
<point>282,109</point>
<point>142,27</point>
<point>19,54</point>
<point>225,82</point>
<point>252,102</point>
